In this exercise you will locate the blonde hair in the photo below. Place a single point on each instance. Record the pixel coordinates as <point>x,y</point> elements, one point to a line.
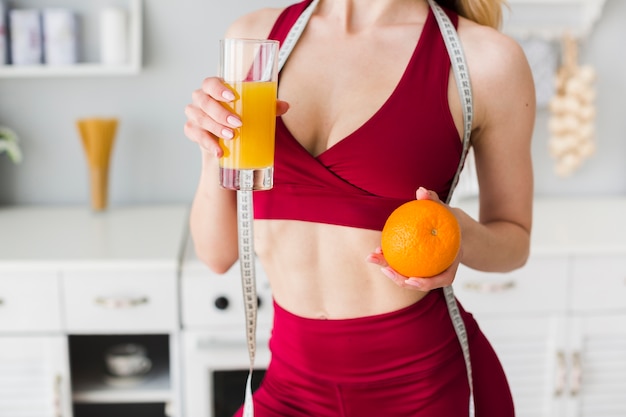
<point>484,12</point>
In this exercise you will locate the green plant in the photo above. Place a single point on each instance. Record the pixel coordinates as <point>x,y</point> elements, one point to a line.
<point>9,144</point>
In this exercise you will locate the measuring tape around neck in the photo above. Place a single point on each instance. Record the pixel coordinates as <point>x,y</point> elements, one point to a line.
<point>461,75</point>
<point>245,212</point>
<point>245,229</point>
<point>245,218</point>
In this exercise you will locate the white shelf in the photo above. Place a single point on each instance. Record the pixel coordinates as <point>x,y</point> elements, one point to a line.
<point>92,384</point>
<point>92,387</point>
<point>77,70</point>
<point>89,69</point>
<point>551,19</point>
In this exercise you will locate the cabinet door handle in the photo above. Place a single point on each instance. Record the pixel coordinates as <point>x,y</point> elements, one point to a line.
<point>490,287</point>
<point>118,303</point>
<point>561,374</point>
<point>58,400</point>
<point>576,376</point>
<point>1,302</point>
<point>168,409</point>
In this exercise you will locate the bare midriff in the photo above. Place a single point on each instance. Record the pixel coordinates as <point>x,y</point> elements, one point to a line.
<point>320,270</point>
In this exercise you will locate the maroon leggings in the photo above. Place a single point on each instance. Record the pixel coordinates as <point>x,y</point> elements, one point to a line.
<point>407,363</point>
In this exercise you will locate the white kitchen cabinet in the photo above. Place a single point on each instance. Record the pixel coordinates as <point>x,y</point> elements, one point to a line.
<point>88,20</point>
<point>120,300</point>
<point>93,385</point>
<point>597,365</point>
<point>34,372</point>
<point>536,288</point>
<point>109,305</point>
<point>29,301</point>
<point>562,363</point>
<point>75,282</point>
<point>599,283</point>
<point>597,336</point>
<point>530,349</point>
<point>522,313</point>
<point>34,376</point>
<point>559,323</point>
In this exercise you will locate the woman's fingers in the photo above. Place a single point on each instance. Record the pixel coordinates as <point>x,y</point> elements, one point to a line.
<point>215,87</point>
<point>209,117</point>
<point>419,283</point>
<point>377,257</point>
<point>443,279</point>
<point>203,138</point>
<point>424,194</point>
<point>281,107</point>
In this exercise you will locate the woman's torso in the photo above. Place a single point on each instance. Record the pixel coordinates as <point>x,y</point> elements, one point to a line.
<point>317,269</point>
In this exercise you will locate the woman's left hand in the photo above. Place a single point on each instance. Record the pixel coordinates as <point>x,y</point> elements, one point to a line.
<point>444,279</point>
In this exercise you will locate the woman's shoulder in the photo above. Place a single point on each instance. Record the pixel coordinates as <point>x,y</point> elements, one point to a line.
<point>497,63</point>
<point>489,48</point>
<point>256,24</point>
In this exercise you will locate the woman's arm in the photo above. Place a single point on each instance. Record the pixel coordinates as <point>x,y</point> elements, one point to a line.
<point>213,217</point>
<point>505,114</point>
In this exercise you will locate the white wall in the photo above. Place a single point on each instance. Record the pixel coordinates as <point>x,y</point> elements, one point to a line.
<point>154,162</point>
<point>605,172</point>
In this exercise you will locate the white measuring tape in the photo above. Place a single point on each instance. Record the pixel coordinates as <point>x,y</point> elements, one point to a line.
<point>245,212</point>
<point>245,218</point>
<point>461,75</point>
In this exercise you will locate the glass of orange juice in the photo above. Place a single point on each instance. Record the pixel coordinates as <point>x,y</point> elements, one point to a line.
<point>250,68</point>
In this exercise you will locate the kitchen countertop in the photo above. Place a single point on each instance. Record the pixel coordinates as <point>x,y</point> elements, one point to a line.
<point>156,234</point>
<point>75,235</point>
<point>574,226</point>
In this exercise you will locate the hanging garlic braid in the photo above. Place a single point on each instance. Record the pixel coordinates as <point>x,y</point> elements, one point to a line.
<point>484,12</point>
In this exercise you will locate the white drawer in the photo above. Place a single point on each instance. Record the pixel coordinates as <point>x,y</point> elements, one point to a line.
<point>215,302</point>
<point>538,287</point>
<point>29,301</point>
<point>599,283</point>
<point>120,300</point>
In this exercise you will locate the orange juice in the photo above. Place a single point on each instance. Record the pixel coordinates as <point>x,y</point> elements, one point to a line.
<point>253,144</point>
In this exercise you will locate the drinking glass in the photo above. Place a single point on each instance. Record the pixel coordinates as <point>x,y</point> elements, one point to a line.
<point>250,68</point>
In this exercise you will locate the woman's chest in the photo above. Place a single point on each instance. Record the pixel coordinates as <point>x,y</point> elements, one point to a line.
<point>334,90</point>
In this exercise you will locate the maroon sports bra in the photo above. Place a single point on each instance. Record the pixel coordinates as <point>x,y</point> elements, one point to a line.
<point>411,141</point>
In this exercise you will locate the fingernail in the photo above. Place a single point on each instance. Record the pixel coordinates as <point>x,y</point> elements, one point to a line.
<point>387,273</point>
<point>233,121</point>
<point>227,134</point>
<point>413,282</point>
<point>228,95</point>
<point>372,259</point>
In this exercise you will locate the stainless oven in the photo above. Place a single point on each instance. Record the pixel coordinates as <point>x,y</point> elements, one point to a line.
<point>214,354</point>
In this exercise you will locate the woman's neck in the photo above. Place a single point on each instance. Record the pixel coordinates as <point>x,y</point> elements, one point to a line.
<point>358,15</point>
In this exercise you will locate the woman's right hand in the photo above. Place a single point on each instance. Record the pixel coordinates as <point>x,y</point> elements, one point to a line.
<point>208,119</point>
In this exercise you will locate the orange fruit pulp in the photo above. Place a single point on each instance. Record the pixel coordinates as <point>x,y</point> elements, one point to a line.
<point>421,238</point>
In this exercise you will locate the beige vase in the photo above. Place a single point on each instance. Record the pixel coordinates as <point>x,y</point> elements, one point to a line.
<point>98,136</point>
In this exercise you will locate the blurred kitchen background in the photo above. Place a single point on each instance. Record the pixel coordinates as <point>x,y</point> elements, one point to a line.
<point>152,161</point>
<point>77,286</point>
